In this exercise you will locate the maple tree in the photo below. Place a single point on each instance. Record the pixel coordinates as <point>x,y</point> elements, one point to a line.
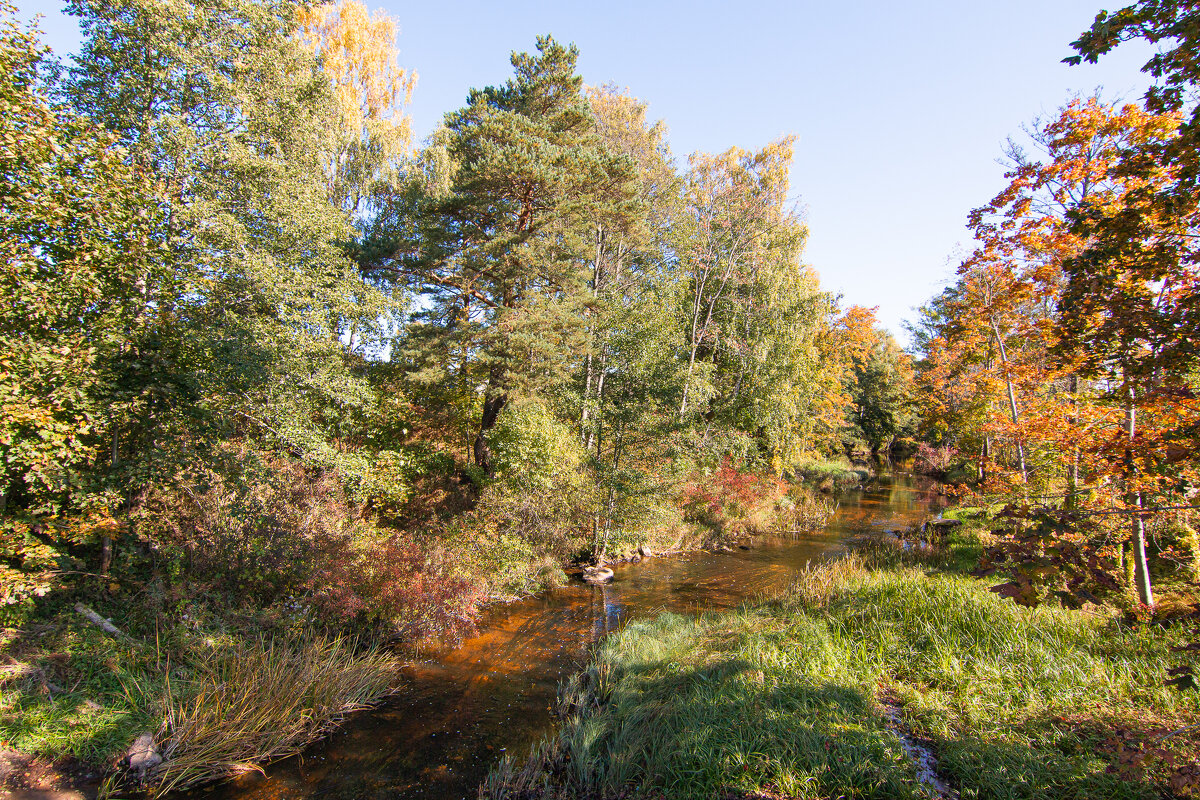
<point>1031,308</point>
<point>1134,289</point>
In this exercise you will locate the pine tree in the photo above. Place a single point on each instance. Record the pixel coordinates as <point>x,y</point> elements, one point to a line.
<point>500,258</point>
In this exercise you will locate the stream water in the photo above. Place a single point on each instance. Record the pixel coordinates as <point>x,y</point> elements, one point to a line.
<point>460,710</point>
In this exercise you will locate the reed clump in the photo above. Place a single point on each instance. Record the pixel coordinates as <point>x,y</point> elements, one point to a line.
<point>260,700</point>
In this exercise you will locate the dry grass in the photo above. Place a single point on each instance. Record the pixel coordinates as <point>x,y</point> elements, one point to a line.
<point>260,701</point>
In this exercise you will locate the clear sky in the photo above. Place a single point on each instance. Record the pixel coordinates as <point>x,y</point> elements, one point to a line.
<point>901,109</point>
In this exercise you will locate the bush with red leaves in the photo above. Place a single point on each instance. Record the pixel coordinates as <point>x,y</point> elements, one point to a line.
<point>724,499</point>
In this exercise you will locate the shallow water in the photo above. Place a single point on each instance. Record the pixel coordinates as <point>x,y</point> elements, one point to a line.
<point>459,711</point>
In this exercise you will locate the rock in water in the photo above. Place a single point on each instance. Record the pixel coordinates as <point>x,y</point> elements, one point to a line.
<point>597,574</point>
<point>645,552</point>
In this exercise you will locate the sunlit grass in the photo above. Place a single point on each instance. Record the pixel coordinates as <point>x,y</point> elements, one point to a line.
<point>783,698</point>
<point>840,471</point>
<point>262,700</point>
<point>216,706</point>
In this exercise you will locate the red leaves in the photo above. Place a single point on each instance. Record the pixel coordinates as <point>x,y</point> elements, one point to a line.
<point>1021,592</point>
<point>1137,756</point>
<point>727,493</point>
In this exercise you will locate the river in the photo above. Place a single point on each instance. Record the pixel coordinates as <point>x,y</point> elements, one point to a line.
<point>459,711</point>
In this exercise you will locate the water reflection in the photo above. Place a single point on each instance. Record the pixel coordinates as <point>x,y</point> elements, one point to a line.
<point>458,712</point>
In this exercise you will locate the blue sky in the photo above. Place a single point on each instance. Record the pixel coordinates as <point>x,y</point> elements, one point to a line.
<point>901,109</point>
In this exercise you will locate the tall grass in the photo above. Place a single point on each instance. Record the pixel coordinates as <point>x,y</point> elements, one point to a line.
<point>785,698</point>
<point>261,700</point>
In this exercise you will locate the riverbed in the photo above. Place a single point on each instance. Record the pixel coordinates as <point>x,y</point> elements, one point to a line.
<point>457,712</point>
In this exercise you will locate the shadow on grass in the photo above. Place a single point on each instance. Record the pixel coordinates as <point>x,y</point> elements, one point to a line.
<point>711,730</point>
<point>1053,767</point>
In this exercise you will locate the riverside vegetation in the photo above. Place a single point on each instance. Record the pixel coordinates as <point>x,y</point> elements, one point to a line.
<point>283,392</point>
<point>816,693</point>
<point>279,385</point>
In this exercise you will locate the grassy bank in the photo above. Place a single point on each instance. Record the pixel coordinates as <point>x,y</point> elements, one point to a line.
<point>810,695</point>
<point>215,705</point>
<point>826,474</point>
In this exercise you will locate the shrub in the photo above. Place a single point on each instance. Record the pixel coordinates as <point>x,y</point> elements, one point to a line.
<point>404,586</point>
<point>935,460</point>
<point>533,451</point>
<point>728,500</point>
<point>264,528</point>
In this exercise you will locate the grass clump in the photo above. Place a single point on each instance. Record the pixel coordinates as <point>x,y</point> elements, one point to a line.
<point>261,700</point>
<point>786,698</point>
<point>216,705</point>
<point>831,472</point>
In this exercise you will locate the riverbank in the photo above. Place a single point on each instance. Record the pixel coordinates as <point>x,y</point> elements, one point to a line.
<point>826,690</point>
<point>74,697</point>
<point>195,709</point>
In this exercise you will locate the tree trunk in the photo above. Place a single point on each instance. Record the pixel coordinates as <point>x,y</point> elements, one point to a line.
<point>1012,400</point>
<point>493,404</point>
<point>1141,569</point>
<point>985,454</point>
<point>1072,500</point>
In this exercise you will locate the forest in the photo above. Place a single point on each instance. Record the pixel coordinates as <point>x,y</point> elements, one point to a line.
<point>286,395</point>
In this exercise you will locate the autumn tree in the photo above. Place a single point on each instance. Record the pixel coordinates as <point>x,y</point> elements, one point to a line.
<point>357,51</point>
<point>1034,304</point>
<point>877,377</point>
<point>1134,290</point>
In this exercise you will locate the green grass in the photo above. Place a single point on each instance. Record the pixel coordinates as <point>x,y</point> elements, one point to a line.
<point>69,689</point>
<point>783,698</point>
<point>217,705</point>
<point>839,471</point>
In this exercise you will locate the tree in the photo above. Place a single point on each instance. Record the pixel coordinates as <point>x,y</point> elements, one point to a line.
<point>878,380</point>
<point>752,311</point>
<point>242,311</point>
<point>357,51</point>
<point>737,209</point>
<point>630,376</point>
<point>501,258</point>
<point>1071,325</point>
<point>75,237</point>
<point>1131,295</point>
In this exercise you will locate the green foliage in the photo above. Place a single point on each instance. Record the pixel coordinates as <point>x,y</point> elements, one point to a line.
<point>219,412</point>
<point>533,451</point>
<point>880,393</point>
<point>500,255</point>
<point>74,238</point>
<point>840,472</point>
<point>224,108</point>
